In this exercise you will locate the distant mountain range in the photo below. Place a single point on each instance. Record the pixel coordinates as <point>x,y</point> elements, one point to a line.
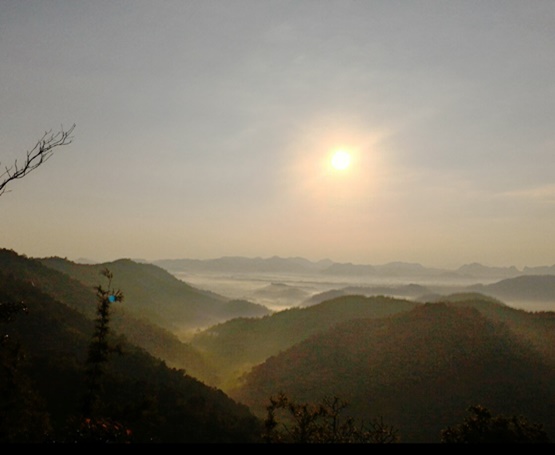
<point>531,287</point>
<point>296,265</point>
<point>238,264</point>
<point>185,307</point>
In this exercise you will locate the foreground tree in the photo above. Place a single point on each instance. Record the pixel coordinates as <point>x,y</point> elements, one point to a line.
<point>100,348</point>
<point>321,423</point>
<point>91,425</point>
<point>482,427</point>
<point>41,152</point>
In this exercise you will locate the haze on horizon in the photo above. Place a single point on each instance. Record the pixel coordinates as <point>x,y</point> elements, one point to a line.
<point>205,128</point>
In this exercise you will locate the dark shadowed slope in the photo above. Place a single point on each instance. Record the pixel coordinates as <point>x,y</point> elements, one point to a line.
<point>157,403</point>
<point>536,328</point>
<point>420,370</point>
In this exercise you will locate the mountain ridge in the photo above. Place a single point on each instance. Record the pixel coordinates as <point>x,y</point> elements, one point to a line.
<point>158,295</point>
<point>80,297</point>
<point>275,264</point>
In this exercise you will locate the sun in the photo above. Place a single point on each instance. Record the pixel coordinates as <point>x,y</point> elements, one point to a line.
<point>341,160</point>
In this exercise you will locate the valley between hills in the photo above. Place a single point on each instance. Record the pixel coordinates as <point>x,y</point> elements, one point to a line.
<point>412,346</point>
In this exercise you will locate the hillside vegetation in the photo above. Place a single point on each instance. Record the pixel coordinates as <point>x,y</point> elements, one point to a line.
<point>158,296</point>
<point>419,370</point>
<point>140,331</point>
<point>42,374</point>
<point>415,366</point>
<point>237,345</point>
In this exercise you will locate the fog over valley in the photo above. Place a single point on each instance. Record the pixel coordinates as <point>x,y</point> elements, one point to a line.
<point>279,283</point>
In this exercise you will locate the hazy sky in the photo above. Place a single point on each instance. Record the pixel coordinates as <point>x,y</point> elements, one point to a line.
<point>205,128</point>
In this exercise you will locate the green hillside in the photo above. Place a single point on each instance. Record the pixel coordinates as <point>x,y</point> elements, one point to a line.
<point>42,358</point>
<point>420,370</point>
<point>237,345</point>
<point>535,328</point>
<point>138,330</point>
<point>156,295</point>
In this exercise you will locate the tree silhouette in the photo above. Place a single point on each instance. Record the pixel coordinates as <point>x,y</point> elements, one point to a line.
<point>91,425</point>
<point>320,423</point>
<point>100,348</point>
<point>41,152</point>
<point>482,427</point>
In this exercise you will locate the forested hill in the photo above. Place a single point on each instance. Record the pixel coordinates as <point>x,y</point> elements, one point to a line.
<point>419,370</point>
<point>237,345</point>
<point>537,328</point>
<point>140,331</point>
<point>158,296</point>
<point>43,379</point>
<point>417,365</point>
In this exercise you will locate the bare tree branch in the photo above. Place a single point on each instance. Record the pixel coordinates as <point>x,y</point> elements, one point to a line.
<point>43,149</point>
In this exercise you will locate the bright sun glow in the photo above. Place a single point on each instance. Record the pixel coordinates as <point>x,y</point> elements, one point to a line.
<point>341,160</point>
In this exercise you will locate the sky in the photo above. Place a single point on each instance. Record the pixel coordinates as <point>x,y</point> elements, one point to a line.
<point>205,128</point>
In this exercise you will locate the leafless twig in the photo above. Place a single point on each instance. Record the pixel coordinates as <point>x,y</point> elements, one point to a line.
<point>43,149</point>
